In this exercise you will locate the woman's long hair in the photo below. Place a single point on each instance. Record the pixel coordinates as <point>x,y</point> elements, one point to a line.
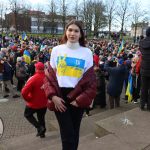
<point>81,39</point>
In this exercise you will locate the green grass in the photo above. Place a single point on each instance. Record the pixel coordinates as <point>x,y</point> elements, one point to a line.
<point>44,35</point>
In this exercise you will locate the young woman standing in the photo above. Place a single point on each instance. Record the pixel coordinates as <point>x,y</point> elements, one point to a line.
<point>70,83</point>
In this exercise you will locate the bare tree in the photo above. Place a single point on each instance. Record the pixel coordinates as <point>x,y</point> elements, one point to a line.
<point>138,16</point>
<point>15,6</point>
<point>63,12</point>
<point>25,21</point>
<point>111,11</point>
<point>39,16</point>
<point>52,16</point>
<point>1,15</point>
<point>87,15</point>
<point>123,13</point>
<point>77,9</point>
<point>24,18</point>
<point>93,15</point>
<point>99,17</point>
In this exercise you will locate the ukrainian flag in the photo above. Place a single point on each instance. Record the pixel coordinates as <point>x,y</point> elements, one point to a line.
<point>129,90</point>
<point>24,36</point>
<point>71,67</point>
<point>27,56</point>
<point>121,47</point>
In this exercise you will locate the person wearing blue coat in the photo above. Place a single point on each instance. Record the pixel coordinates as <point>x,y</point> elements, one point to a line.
<point>115,83</point>
<point>7,76</point>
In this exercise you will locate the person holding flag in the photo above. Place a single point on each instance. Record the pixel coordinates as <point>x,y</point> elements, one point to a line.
<point>121,47</point>
<point>27,55</point>
<point>23,37</point>
<point>116,80</point>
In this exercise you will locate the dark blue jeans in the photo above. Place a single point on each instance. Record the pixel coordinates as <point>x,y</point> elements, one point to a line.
<point>69,123</point>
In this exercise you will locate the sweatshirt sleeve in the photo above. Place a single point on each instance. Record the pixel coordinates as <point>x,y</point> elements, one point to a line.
<point>52,58</point>
<point>89,58</point>
<point>27,89</point>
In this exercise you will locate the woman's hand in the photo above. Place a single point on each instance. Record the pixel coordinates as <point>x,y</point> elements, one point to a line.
<point>74,103</point>
<point>59,103</point>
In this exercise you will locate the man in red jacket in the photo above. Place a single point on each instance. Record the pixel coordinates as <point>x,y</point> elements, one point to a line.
<point>36,101</point>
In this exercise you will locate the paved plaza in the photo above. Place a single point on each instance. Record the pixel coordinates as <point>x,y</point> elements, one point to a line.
<point>125,128</point>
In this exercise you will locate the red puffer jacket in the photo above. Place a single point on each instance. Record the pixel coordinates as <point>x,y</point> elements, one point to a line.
<point>33,91</point>
<point>84,92</point>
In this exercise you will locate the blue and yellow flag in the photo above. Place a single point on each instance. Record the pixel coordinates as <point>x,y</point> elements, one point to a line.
<point>121,46</point>
<point>69,66</point>
<point>24,36</point>
<point>27,56</point>
<point>129,90</point>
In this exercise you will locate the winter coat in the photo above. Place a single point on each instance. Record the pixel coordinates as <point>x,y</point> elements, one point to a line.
<point>145,50</point>
<point>21,71</point>
<point>100,98</point>
<point>7,74</point>
<point>33,91</point>
<point>32,67</point>
<point>116,79</point>
<point>1,67</point>
<point>84,92</point>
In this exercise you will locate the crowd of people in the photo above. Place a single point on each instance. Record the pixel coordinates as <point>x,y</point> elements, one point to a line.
<point>79,72</point>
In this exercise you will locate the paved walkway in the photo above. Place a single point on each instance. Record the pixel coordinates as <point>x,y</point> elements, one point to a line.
<point>17,130</point>
<point>12,113</point>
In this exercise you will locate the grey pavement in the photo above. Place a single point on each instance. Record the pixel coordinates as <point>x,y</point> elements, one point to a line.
<point>131,128</point>
<point>12,113</point>
<point>125,128</point>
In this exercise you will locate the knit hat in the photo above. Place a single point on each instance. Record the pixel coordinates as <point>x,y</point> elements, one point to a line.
<point>148,31</point>
<point>39,66</point>
<point>14,48</point>
<point>120,61</point>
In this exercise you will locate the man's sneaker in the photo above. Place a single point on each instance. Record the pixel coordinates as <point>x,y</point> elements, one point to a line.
<point>16,96</point>
<point>41,131</point>
<point>5,96</point>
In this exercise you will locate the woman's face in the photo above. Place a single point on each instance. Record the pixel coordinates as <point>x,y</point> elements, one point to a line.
<point>73,33</point>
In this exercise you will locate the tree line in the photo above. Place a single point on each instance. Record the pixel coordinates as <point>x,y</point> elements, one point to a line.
<point>97,15</point>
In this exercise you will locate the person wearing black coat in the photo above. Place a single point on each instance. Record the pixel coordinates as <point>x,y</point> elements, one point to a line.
<point>145,70</point>
<point>115,84</point>
<point>100,98</point>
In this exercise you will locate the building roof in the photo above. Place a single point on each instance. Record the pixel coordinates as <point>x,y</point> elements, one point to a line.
<point>35,12</point>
